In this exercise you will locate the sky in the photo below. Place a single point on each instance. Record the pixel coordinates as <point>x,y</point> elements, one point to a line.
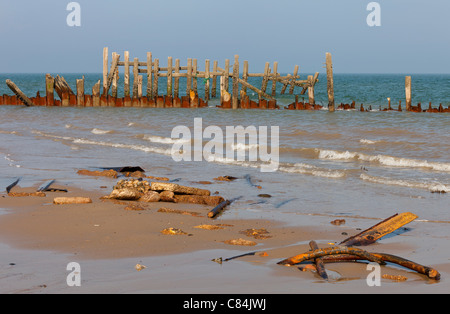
<point>414,36</point>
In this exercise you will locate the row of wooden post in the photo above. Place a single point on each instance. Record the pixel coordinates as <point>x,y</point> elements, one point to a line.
<point>173,73</point>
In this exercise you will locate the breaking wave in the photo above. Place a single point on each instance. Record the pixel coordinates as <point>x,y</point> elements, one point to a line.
<point>431,186</point>
<point>163,140</point>
<point>99,131</point>
<point>384,160</point>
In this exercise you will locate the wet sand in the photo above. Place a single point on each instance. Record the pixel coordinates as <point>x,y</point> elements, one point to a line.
<point>40,238</point>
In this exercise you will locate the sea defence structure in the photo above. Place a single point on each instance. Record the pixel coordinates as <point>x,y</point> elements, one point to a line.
<point>232,88</point>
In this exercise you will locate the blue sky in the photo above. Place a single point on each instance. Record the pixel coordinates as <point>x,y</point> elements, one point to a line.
<point>413,36</point>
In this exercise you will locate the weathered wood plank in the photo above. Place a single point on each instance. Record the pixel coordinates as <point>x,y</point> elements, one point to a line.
<point>126,75</point>
<point>20,95</point>
<point>330,82</point>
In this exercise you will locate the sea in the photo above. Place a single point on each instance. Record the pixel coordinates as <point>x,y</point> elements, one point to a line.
<point>343,164</point>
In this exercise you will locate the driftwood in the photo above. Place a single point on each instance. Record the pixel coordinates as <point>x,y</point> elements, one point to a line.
<point>9,187</point>
<point>425,270</point>
<point>249,180</point>
<point>20,95</point>
<point>216,210</point>
<point>379,230</point>
<point>320,267</point>
<point>46,188</point>
<point>330,251</point>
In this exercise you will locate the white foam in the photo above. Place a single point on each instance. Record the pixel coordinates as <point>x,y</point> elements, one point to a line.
<point>384,160</point>
<point>312,170</point>
<point>431,186</point>
<point>99,131</point>
<point>164,140</point>
<point>242,146</point>
<point>369,142</point>
<point>147,149</point>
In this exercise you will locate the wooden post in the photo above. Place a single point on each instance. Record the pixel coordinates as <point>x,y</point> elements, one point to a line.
<point>330,83</point>
<point>206,80</point>
<point>177,79</point>
<point>189,77</point>
<point>135,77</point>
<point>96,94</point>
<point>226,80</point>
<point>274,80</point>
<point>408,92</point>
<point>169,76</point>
<point>105,69</point>
<point>139,86</point>
<point>49,89</point>
<point>194,71</point>
<point>265,77</point>
<point>80,92</point>
<point>311,90</point>
<point>155,78</point>
<point>111,74</point>
<point>20,95</point>
<point>234,99</point>
<point>126,76</point>
<point>115,82</point>
<point>244,78</point>
<point>291,89</point>
<point>149,75</point>
<point>214,80</point>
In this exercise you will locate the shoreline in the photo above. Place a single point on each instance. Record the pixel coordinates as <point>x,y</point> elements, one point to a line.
<point>109,241</point>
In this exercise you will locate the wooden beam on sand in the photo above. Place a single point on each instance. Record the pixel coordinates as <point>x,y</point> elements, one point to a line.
<point>379,230</point>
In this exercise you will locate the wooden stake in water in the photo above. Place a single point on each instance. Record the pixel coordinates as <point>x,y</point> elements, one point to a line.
<point>408,92</point>
<point>169,76</point>
<point>80,92</point>
<point>214,79</point>
<point>311,90</point>
<point>206,80</point>
<point>126,76</point>
<point>105,70</point>
<point>330,83</point>
<point>149,75</point>
<point>234,99</point>
<point>177,79</point>
<point>135,77</point>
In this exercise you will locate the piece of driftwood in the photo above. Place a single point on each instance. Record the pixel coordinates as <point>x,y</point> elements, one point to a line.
<point>311,255</point>
<point>46,188</point>
<point>379,230</point>
<point>249,180</point>
<point>219,208</point>
<point>9,187</point>
<point>241,255</point>
<point>320,266</point>
<point>425,270</point>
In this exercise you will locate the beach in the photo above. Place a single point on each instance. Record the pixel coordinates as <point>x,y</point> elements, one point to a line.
<point>108,238</point>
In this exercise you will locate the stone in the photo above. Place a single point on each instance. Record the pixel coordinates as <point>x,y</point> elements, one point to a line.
<point>130,194</point>
<point>240,242</point>
<point>71,200</point>
<point>199,199</point>
<point>104,173</point>
<point>150,196</point>
<point>167,196</point>
<point>178,189</point>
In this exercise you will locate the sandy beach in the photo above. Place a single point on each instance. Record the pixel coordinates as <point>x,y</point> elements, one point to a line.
<point>108,240</point>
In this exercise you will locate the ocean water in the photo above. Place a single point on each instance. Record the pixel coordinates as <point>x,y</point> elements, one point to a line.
<point>346,163</point>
